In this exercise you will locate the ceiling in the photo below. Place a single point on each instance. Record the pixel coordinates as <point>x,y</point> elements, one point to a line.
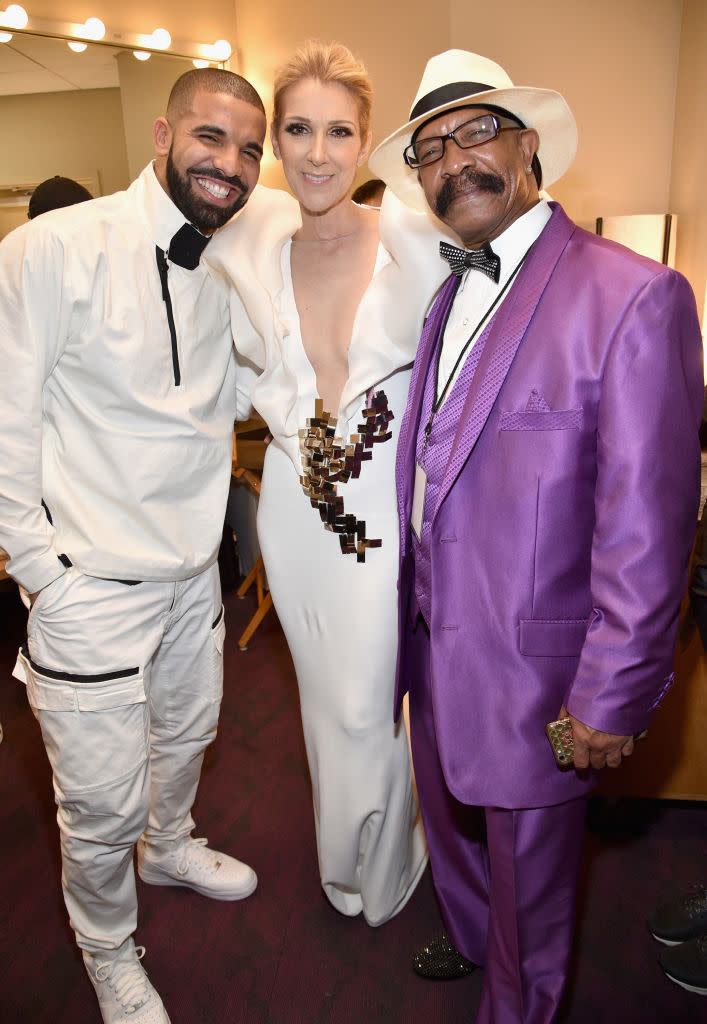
<point>30,64</point>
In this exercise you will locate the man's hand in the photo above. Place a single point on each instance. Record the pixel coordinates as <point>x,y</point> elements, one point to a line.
<point>600,749</point>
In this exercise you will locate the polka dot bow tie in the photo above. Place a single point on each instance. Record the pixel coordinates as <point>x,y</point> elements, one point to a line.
<point>460,260</point>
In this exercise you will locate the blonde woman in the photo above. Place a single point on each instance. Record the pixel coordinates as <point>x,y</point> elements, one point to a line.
<point>329,320</point>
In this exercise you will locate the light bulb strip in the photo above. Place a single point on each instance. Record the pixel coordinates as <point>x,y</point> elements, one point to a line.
<point>72,32</point>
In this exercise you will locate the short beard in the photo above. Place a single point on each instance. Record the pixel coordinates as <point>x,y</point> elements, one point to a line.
<point>198,211</point>
<point>484,182</point>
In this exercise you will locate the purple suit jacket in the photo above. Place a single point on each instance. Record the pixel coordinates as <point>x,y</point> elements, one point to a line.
<point>562,533</point>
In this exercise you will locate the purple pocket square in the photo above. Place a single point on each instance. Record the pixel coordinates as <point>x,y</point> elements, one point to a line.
<point>545,419</point>
<point>538,415</point>
<point>536,403</point>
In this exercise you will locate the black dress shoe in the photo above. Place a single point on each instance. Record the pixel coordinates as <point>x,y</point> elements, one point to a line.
<point>681,919</point>
<point>686,964</point>
<point>439,960</point>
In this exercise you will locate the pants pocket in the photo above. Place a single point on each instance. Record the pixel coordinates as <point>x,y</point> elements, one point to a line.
<point>49,596</point>
<point>95,726</point>
<point>218,631</point>
<point>218,638</point>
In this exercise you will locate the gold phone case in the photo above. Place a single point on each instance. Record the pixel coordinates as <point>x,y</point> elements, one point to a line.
<point>562,741</point>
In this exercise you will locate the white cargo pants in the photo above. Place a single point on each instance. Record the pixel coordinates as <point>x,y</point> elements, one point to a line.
<point>126,683</point>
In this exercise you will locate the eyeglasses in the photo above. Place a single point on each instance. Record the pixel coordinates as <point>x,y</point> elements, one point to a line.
<point>472,133</point>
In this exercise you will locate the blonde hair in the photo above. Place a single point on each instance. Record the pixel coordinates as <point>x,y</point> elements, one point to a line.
<point>326,62</point>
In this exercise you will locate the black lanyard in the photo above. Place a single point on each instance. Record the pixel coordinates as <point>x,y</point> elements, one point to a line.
<point>440,396</point>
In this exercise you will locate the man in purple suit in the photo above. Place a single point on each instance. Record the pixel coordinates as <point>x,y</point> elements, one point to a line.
<point>548,480</point>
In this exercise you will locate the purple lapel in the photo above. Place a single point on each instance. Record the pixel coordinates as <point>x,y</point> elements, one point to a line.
<point>405,455</point>
<point>504,335</point>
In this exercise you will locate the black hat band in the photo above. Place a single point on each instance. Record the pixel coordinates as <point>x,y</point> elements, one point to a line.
<point>446,94</point>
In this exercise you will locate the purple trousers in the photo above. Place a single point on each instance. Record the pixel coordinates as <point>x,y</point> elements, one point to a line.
<point>505,879</point>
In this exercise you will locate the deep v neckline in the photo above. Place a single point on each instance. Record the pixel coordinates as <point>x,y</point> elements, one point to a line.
<point>293,313</point>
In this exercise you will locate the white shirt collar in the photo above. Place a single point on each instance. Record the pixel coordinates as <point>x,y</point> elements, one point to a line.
<point>515,241</point>
<point>162,217</point>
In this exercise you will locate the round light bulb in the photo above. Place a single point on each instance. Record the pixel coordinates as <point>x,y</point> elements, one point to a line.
<point>221,49</point>
<point>198,63</point>
<point>15,17</point>
<point>95,29</point>
<point>78,47</point>
<point>5,37</point>
<point>161,39</point>
<point>141,54</point>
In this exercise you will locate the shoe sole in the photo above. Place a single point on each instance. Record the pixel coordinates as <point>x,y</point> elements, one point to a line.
<point>668,942</point>
<point>684,984</point>
<point>158,878</point>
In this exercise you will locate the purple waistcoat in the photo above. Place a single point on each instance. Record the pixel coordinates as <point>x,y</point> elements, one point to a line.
<point>441,437</point>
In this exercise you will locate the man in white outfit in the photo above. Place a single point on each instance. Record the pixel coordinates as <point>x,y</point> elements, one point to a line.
<point>117,424</point>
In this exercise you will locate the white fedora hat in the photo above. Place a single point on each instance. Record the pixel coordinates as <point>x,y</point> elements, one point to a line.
<point>457,78</point>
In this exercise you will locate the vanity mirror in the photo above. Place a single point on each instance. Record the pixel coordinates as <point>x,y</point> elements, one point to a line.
<point>86,115</point>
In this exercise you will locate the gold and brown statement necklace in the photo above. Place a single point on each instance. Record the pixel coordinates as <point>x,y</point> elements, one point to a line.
<point>328,462</point>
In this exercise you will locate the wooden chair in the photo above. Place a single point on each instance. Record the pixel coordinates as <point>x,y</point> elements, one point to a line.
<point>247,461</point>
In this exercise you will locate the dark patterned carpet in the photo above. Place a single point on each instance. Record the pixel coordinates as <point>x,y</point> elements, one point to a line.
<point>284,956</point>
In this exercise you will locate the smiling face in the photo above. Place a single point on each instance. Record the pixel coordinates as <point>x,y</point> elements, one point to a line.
<point>479,192</point>
<point>318,139</point>
<point>208,157</point>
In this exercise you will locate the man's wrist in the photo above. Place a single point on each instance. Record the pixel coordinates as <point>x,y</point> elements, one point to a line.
<point>37,573</point>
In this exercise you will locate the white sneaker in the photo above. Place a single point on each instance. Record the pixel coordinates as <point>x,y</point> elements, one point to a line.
<point>192,864</point>
<point>124,991</point>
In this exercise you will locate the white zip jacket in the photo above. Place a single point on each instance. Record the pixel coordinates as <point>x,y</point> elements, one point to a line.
<point>133,469</point>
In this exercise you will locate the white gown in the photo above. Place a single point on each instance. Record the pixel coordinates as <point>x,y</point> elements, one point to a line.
<point>338,611</point>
